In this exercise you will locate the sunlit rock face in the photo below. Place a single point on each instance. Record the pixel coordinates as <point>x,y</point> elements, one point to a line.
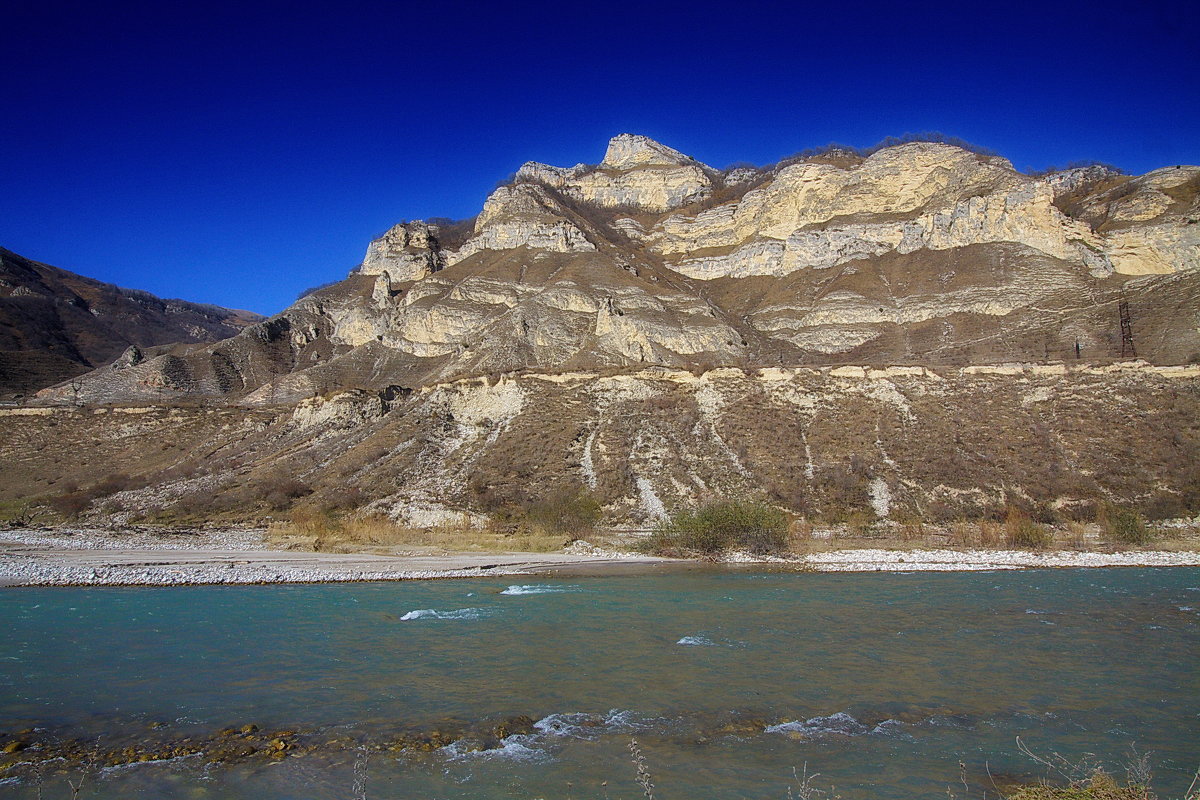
<point>937,197</point>
<point>407,252</point>
<point>637,173</point>
<point>917,254</point>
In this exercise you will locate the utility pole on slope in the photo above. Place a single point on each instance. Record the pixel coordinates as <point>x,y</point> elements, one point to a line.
<point>1127,349</point>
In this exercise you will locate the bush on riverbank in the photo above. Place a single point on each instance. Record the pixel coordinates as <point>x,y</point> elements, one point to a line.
<point>1022,532</point>
<point>1124,525</point>
<point>1087,779</point>
<point>720,526</point>
<point>566,513</point>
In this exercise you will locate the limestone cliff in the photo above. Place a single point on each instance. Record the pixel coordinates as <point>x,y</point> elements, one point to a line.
<point>918,254</point>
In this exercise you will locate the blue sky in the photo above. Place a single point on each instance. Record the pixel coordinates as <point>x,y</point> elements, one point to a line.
<point>239,153</point>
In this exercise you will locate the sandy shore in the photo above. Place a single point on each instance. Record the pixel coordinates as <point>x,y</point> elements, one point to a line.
<point>88,557</point>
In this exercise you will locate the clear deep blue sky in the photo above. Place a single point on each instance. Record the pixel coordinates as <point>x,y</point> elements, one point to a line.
<point>239,153</point>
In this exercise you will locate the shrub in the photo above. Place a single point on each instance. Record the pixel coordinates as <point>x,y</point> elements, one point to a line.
<point>1124,525</point>
<point>74,501</point>
<point>862,523</point>
<point>723,525</point>
<point>1021,531</point>
<point>70,504</point>
<point>279,493</point>
<point>565,512</point>
<point>1164,506</point>
<point>342,498</point>
<point>989,533</point>
<point>200,505</point>
<point>116,482</point>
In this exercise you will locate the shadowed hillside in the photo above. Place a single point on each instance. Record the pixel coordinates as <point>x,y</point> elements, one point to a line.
<point>55,324</point>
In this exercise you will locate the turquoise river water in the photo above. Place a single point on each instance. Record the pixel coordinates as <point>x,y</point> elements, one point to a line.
<point>882,683</point>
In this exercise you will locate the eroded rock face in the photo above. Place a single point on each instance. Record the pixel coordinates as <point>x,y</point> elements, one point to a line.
<point>813,440</point>
<point>407,252</point>
<point>637,172</point>
<point>628,151</point>
<point>902,199</point>
<point>524,215</point>
<point>920,253</point>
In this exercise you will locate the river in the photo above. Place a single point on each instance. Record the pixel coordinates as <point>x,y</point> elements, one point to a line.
<point>729,680</point>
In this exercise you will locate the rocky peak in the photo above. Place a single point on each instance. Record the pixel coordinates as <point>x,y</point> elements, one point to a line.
<point>408,251</point>
<point>628,151</point>
<point>536,172</point>
<point>636,171</point>
<point>1077,179</point>
<point>523,215</point>
<point>520,199</point>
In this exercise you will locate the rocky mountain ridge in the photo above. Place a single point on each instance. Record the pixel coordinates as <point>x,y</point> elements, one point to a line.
<point>921,253</point>
<point>55,324</point>
<point>917,333</point>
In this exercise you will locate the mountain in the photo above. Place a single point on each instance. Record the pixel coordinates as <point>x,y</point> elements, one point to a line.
<point>918,332</point>
<point>55,324</point>
<point>921,253</point>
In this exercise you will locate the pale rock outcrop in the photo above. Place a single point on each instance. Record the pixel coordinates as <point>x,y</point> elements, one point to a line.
<point>346,409</point>
<point>929,196</point>
<point>354,327</point>
<point>741,175</point>
<point>438,330</point>
<point>833,339</point>
<point>407,252</point>
<point>1173,246</point>
<point>1139,207</point>
<point>1166,178</point>
<point>636,172</point>
<point>1125,200</point>
<point>523,215</point>
<point>628,151</point>
<point>1067,181</point>
<point>381,292</point>
<point>898,181</point>
<point>1025,215</point>
<point>650,188</point>
<point>639,328</point>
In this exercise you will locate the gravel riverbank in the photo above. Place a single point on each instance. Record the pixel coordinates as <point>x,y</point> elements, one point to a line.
<point>149,557</point>
<point>972,560</point>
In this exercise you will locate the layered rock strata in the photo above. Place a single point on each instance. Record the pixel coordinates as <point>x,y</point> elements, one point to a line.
<point>918,254</point>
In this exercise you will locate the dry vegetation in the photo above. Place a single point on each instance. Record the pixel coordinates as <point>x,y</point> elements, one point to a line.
<point>1081,779</point>
<point>332,532</point>
<point>721,526</point>
<point>1095,462</point>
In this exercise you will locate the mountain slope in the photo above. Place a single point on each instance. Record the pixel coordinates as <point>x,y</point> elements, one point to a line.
<point>55,324</point>
<point>917,333</point>
<point>920,253</point>
<point>825,442</point>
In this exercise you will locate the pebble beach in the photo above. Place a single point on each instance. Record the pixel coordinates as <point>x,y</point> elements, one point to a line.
<point>150,557</point>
